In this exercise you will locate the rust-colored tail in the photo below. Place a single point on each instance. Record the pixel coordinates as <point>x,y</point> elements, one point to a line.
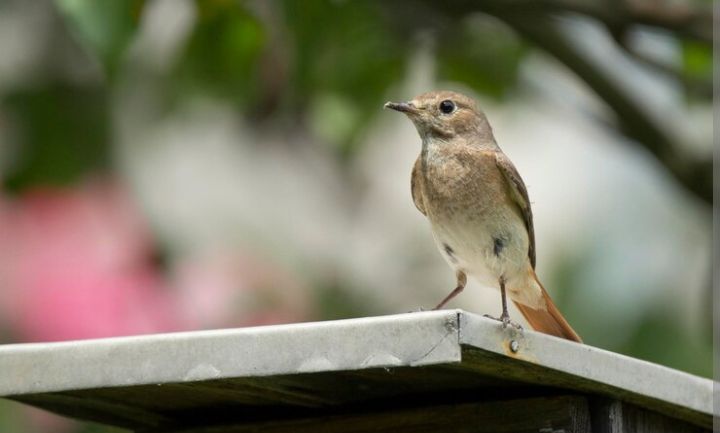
<point>548,321</point>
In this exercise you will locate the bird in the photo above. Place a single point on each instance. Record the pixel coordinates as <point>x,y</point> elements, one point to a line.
<point>478,207</point>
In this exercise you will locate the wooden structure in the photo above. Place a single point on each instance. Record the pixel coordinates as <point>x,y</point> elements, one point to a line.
<point>441,371</point>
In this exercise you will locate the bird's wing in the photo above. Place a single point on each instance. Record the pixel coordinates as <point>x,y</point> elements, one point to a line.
<point>519,195</point>
<point>415,187</point>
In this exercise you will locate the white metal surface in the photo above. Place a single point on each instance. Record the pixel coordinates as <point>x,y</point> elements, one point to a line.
<point>386,341</point>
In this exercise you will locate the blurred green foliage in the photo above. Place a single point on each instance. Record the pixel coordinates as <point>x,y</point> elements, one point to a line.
<point>697,59</point>
<point>64,131</point>
<point>343,55</point>
<point>316,62</point>
<point>482,52</point>
<point>104,28</point>
<point>659,329</point>
<point>221,56</point>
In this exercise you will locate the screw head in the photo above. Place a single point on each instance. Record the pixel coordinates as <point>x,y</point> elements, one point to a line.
<point>514,346</point>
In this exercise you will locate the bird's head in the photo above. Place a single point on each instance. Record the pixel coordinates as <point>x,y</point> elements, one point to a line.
<point>444,115</point>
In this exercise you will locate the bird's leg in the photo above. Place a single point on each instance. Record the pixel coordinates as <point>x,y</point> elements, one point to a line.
<point>505,316</point>
<point>461,281</point>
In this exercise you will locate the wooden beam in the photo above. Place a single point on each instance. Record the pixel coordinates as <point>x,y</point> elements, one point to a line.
<point>614,416</point>
<point>562,414</point>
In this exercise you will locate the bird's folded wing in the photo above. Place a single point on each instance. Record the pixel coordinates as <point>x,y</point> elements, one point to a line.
<point>415,187</point>
<point>519,194</point>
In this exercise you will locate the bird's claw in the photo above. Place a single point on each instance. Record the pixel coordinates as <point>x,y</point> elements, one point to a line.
<point>515,325</point>
<point>505,320</point>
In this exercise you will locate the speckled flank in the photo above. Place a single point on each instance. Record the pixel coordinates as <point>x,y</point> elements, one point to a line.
<point>498,245</point>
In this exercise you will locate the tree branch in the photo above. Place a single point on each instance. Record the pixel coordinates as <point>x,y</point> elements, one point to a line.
<point>693,22</point>
<point>694,174</point>
<point>693,84</point>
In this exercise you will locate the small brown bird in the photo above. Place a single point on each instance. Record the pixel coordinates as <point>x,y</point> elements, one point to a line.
<point>478,206</point>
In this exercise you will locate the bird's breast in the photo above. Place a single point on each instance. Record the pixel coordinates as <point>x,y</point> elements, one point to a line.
<point>461,184</point>
<point>474,221</point>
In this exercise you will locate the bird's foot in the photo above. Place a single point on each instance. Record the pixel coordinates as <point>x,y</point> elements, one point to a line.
<point>417,310</point>
<point>505,319</point>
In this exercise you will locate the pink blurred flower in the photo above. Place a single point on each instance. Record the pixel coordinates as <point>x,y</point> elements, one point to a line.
<point>225,288</point>
<point>75,263</point>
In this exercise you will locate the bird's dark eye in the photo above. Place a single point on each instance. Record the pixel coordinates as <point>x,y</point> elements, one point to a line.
<point>447,106</point>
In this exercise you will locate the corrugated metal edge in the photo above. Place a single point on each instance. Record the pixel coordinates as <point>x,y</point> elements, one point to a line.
<point>413,339</point>
<point>652,381</point>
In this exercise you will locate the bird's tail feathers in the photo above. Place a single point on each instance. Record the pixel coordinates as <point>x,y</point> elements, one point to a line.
<point>549,320</point>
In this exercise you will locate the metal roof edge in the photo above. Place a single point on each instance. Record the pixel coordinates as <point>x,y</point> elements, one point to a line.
<point>411,339</point>
<point>589,364</point>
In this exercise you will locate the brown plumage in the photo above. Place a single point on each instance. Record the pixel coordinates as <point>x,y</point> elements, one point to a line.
<point>478,206</point>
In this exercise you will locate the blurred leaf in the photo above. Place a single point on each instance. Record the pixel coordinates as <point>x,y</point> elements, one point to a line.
<point>334,117</point>
<point>346,50</point>
<point>661,339</point>
<point>11,418</point>
<point>104,27</point>
<point>335,302</point>
<point>62,131</point>
<point>696,70</point>
<point>481,52</point>
<point>222,52</point>
<point>697,59</point>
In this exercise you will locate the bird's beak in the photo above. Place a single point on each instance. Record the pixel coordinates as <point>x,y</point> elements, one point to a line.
<point>403,107</point>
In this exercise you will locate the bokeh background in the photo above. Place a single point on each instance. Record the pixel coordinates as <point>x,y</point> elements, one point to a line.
<point>175,165</point>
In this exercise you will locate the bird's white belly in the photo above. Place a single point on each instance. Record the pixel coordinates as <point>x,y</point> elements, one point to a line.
<point>471,248</point>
